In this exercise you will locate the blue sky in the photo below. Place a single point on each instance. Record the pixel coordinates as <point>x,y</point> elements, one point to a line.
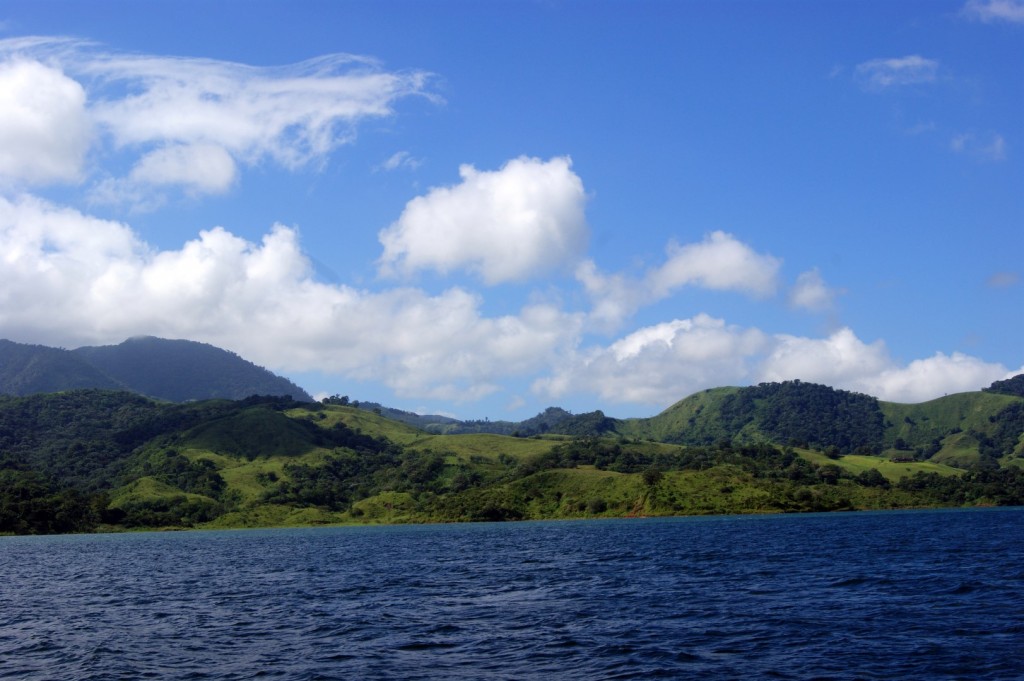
<point>483,209</point>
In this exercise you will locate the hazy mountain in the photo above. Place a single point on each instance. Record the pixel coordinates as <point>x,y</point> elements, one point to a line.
<point>173,370</point>
<point>31,369</point>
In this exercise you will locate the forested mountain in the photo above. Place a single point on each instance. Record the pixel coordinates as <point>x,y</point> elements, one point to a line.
<point>791,413</point>
<point>31,369</point>
<point>174,370</point>
<point>91,459</point>
<point>963,429</point>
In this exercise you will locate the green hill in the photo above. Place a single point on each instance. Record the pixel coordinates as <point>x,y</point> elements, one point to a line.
<point>92,459</point>
<point>697,418</point>
<point>961,429</point>
<point>793,413</point>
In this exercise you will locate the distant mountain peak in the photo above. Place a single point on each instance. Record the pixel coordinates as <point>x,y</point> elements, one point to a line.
<point>173,370</point>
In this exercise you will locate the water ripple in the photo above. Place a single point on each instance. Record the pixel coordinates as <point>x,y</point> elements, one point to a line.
<point>925,595</point>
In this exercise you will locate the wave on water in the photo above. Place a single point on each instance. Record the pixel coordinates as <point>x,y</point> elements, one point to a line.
<point>909,595</point>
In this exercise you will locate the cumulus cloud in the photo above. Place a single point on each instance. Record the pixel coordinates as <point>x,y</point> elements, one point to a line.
<point>178,114</point>
<point>720,262</point>
<point>995,10</point>
<point>925,379</point>
<point>660,364</point>
<point>505,225</point>
<point>843,360</point>
<point>810,292</point>
<point>44,127</point>
<point>881,74</point>
<point>71,279</point>
<point>840,360</point>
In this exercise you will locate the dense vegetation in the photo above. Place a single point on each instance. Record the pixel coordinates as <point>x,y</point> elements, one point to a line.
<point>92,459</point>
<point>551,420</point>
<point>1011,386</point>
<point>31,369</point>
<point>808,415</point>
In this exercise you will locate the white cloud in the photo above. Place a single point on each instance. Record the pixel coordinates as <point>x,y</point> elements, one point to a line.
<point>44,128</point>
<point>995,10</point>
<point>400,159</point>
<point>991,147</point>
<point>844,361</point>
<point>660,364</point>
<point>812,293</point>
<point>505,225</point>
<point>202,168</point>
<point>171,111</point>
<point>292,114</point>
<point>881,74</point>
<point>70,279</point>
<point>614,297</point>
<point>926,379</point>
<point>841,360</point>
<point>719,262</point>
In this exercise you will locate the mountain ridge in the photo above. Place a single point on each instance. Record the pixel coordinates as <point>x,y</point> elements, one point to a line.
<point>799,413</point>
<point>172,370</point>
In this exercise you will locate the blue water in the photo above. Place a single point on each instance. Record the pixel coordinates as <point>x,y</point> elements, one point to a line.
<point>895,595</point>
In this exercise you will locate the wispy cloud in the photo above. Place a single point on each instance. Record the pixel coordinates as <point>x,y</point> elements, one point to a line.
<point>400,159</point>
<point>187,122</point>
<point>877,75</point>
<point>990,147</point>
<point>989,11</point>
<point>1003,280</point>
<point>810,292</point>
<point>658,364</point>
<point>719,262</point>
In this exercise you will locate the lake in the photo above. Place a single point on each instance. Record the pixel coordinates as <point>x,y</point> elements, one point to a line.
<point>888,595</point>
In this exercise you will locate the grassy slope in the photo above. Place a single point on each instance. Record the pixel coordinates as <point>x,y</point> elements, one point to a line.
<point>148,489</point>
<point>563,493</point>
<point>919,424</point>
<point>361,421</point>
<point>916,424</point>
<point>483,446</point>
<point>697,413</point>
<point>892,470</point>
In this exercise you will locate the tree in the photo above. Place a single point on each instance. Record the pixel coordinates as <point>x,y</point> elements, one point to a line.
<point>652,476</point>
